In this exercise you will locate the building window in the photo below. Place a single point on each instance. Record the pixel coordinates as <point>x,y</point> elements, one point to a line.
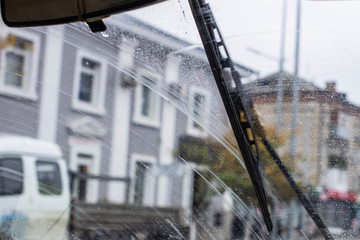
<point>199,111</point>
<point>147,102</point>
<point>143,183</point>
<point>336,161</point>
<point>89,73</point>
<point>89,87</point>
<point>218,219</point>
<point>141,170</point>
<point>356,132</point>
<point>19,61</point>
<point>14,69</point>
<point>344,127</point>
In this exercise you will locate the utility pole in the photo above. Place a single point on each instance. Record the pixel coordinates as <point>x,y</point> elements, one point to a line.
<point>295,90</point>
<point>280,81</point>
<point>281,60</point>
<point>295,101</point>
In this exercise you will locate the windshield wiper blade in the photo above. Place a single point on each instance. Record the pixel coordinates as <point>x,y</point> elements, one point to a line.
<point>301,196</point>
<point>238,113</point>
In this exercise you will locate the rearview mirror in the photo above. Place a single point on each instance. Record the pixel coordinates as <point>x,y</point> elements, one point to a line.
<point>23,13</point>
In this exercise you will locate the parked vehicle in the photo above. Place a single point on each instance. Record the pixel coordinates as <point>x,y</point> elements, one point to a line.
<point>35,194</point>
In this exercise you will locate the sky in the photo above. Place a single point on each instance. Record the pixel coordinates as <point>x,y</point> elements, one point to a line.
<point>329,38</point>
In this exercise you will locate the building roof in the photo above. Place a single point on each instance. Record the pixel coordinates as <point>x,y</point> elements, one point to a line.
<point>125,22</point>
<point>266,88</point>
<point>270,84</point>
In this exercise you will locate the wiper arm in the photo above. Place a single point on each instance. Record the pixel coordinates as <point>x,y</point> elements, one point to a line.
<point>238,113</point>
<point>243,121</point>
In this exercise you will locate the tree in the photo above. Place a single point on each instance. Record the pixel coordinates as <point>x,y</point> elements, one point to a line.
<point>229,169</point>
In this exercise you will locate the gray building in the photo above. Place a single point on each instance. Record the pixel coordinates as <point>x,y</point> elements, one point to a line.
<point>117,106</point>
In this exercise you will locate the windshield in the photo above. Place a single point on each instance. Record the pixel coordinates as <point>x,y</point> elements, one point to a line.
<point>147,136</point>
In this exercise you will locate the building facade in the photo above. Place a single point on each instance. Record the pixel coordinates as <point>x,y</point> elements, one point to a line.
<point>117,106</point>
<point>327,147</point>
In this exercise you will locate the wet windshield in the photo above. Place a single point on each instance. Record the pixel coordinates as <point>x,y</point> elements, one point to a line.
<point>126,134</point>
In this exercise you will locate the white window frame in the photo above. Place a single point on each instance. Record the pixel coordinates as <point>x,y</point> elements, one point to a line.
<point>31,65</point>
<point>191,130</point>
<point>97,105</point>
<point>138,117</point>
<point>149,193</point>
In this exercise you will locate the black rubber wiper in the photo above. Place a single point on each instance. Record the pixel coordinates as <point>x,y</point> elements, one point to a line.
<point>260,131</point>
<point>238,113</point>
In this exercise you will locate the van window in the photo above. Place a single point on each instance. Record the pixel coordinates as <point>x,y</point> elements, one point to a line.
<point>49,178</point>
<point>11,176</point>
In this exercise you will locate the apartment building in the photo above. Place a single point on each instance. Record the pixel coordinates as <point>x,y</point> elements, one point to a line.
<point>117,106</point>
<point>327,142</point>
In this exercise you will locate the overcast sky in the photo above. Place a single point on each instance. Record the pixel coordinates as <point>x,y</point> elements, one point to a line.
<point>330,36</point>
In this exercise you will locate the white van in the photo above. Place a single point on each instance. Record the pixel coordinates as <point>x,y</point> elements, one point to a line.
<point>34,189</point>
